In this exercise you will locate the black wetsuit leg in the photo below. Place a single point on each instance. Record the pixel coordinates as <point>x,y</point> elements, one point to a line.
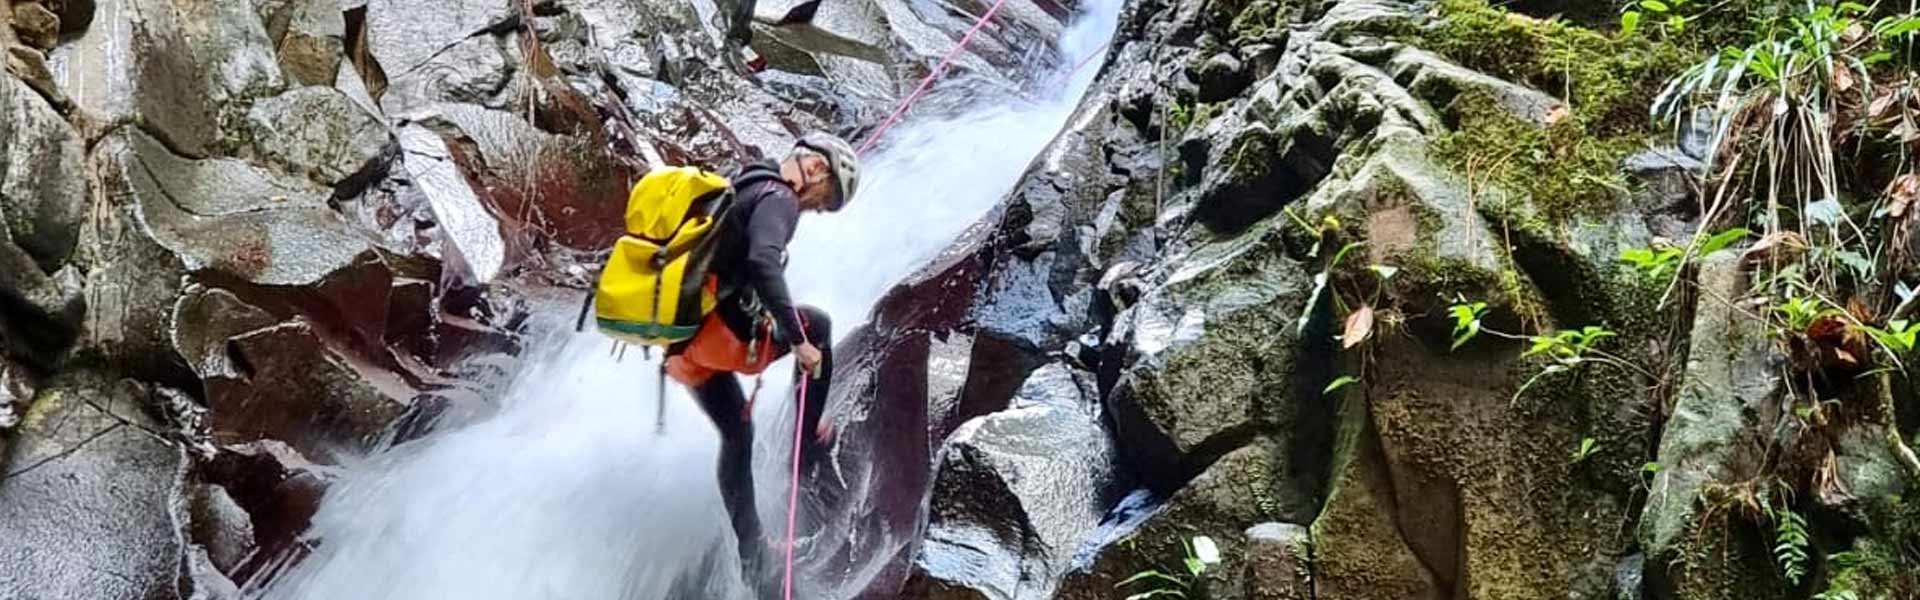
<point>724,403</point>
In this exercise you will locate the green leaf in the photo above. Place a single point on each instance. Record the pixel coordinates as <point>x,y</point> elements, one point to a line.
<point>1677,23</point>
<point>1721,240</point>
<point>1655,6</point>
<point>1342,254</point>
<point>1342,381</point>
<point>1630,22</point>
<point>1541,345</point>
<point>1384,272</point>
<point>1825,212</point>
<point>1150,575</point>
<point>1650,468</point>
<point>1587,447</point>
<point>1472,329</point>
<point>1853,260</point>
<point>1897,27</point>
<point>1466,320</point>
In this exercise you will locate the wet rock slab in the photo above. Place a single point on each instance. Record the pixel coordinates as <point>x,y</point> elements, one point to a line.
<point>91,501</point>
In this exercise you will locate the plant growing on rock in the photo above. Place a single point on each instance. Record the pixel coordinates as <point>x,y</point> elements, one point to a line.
<point>1670,15</point>
<point>1466,320</point>
<point>1201,553</point>
<point>1588,446</point>
<point>1790,542</point>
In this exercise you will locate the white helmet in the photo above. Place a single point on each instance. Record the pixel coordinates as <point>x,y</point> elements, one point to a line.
<point>842,159</point>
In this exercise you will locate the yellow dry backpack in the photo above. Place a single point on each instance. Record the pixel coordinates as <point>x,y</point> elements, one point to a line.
<point>655,289</point>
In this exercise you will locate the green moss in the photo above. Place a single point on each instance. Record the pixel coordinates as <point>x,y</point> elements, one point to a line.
<point>1249,158</point>
<point>1260,19</point>
<point>1571,167</point>
<point>1607,78</point>
<point>1564,168</point>
<point>1430,282</point>
<point>1886,563</point>
<point>44,404</point>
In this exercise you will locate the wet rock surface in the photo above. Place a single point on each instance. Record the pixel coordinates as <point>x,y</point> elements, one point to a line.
<point>42,190</point>
<point>1036,477</point>
<point>245,242</point>
<point>92,498</point>
<point>305,228</point>
<point>318,130</point>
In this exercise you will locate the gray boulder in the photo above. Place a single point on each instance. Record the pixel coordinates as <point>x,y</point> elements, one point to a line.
<point>443,52</point>
<point>16,392</point>
<point>43,188</point>
<point>1223,504</point>
<point>310,36</point>
<point>1711,436</point>
<point>1212,357</point>
<point>474,248</point>
<point>302,393</point>
<point>269,237</point>
<point>91,503</point>
<point>1018,492</point>
<point>177,69</point>
<point>221,529</point>
<point>318,132</point>
<point>1278,563</point>
<point>406,35</point>
<point>208,582</point>
<point>230,43</point>
<point>477,70</point>
<point>47,308</point>
<point>1438,81</point>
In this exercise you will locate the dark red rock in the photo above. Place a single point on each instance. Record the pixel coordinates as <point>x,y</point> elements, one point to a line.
<point>292,387</point>
<point>277,487</point>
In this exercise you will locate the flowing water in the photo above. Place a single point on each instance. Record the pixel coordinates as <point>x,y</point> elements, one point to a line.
<point>567,490</point>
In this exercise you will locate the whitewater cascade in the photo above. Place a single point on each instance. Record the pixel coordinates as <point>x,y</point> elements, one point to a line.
<point>566,490</point>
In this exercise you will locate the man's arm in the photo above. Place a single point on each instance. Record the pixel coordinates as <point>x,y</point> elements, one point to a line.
<point>768,232</point>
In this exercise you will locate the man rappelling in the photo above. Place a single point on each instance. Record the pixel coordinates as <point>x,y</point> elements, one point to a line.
<point>701,271</point>
<point>756,321</point>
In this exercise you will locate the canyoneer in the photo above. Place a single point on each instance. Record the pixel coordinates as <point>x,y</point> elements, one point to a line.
<point>701,271</point>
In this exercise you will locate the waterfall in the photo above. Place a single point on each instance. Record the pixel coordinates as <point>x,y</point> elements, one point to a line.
<point>567,491</point>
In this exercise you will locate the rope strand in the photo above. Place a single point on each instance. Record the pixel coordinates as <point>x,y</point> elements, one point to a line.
<point>799,430</point>
<point>928,81</point>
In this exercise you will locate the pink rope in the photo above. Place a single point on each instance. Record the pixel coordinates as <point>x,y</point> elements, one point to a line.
<point>799,431</point>
<point>928,82</point>
<point>1096,53</point>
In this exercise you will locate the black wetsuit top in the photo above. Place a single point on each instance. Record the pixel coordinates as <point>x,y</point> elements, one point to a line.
<point>751,259</point>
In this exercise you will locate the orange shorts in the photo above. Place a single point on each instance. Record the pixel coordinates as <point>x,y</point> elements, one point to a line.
<point>715,349</point>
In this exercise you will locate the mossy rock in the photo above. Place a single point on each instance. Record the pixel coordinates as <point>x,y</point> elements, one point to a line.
<point>1233,495</point>
<point>1215,358</point>
<point>1710,441</point>
<point>1419,216</point>
<point>1447,484</point>
<point>1358,549</point>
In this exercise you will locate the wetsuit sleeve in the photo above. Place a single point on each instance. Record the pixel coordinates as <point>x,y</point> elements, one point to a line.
<point>768,231</point>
